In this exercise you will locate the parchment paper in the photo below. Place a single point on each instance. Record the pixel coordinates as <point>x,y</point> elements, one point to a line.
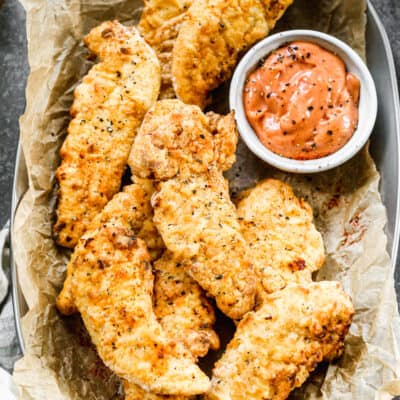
<point>60,362</point>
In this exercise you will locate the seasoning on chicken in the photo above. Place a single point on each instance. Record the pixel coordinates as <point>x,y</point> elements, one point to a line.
<point>211,39</point>
<point>179,303</point>
<point>199,225</point>
<point>111,283</point>
<point>278,227</point>
<point>108,108</point>
<point>275,348</point>
<point>184,313</point>
<point>182,308</point>
<point>131,207</point>
<point>178,138</point>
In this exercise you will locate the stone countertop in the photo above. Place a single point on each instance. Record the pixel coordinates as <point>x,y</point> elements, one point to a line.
<point>14,71</point>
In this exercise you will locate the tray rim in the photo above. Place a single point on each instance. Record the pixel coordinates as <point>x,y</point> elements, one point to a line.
<point>20,168</point>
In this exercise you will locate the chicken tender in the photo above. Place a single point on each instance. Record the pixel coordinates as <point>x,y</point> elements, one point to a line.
<point>184,313</point>
<point>199,225</point>
<point>178,138</point>
<point>211,39</point>
<point>108,108</point>
<point>275,348</point>
<point>192,210</point>
<point>112,287</point>
<point>278,227</point>
<point>131,207</point>
<point>182,308</point>
<point>179,303</point>
<point>159,24</point>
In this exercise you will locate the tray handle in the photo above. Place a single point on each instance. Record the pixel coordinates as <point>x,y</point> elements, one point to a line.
<point>4,263</point>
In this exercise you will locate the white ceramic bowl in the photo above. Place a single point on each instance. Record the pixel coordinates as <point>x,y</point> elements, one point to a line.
<point>354,64</point>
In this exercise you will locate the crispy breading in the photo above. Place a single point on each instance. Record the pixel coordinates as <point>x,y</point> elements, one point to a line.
<point>278,227</point>
<point>182,308</point>
<point>178,142</point>
<point>223,128</point>
<point>159,24</point>
<point>112,287</point>
<point>108,108</point>
<point>163,44</point>
<point>176,137</point>
<point>156,13</point>
<point>211,39</point>
<point>132,207</point>
<point>179,303</point>
<point>275,348</point>
<point>184,313</point>
<point>199,225</point>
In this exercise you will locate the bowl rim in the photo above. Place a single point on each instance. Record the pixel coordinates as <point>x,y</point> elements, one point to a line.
<point>332,44</point>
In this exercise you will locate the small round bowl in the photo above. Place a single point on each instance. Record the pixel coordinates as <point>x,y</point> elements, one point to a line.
<point>367,104</point>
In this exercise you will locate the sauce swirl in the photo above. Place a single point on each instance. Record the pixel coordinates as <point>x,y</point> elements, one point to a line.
<point>301,101</point>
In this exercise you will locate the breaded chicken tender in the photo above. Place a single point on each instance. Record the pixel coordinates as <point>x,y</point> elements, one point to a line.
<point>159,24</point>
<point>178,138</point>
<point>182,308</point>
<point>278,227</point>
<point>184,313</point>
<point>188,150</point>
<point>108,108</point>
<point>112,287</point>
<point>199,225</point>
<point>179,303</point>
<point>131,207</point>
<point>211,39</point>
<point>275,348</point>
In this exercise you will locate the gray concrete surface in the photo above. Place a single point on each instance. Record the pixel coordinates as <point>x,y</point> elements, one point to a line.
<point>13,73</point>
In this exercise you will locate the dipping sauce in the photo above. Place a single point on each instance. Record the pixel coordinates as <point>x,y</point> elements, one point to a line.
<point>301,101</point>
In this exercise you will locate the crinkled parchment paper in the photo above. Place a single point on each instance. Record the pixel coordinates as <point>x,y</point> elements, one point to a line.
<point>60,362</point>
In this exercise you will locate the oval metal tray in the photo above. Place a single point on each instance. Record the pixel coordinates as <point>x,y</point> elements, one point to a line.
<point>385,149</point>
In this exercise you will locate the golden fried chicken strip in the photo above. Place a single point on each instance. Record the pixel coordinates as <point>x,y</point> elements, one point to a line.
<point>275,348</point>
<point>131,207</point>
<point>108,108</point>
<point>278,227</point>
<point>179,303</point>
<point>159,24</point>
<point>176,137</point>
<point>211,39</point>
<point>199,225</point>
<point>112,287</point>
<point>184,313</point>
<point>178,142</point>
<point>182,308</point>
